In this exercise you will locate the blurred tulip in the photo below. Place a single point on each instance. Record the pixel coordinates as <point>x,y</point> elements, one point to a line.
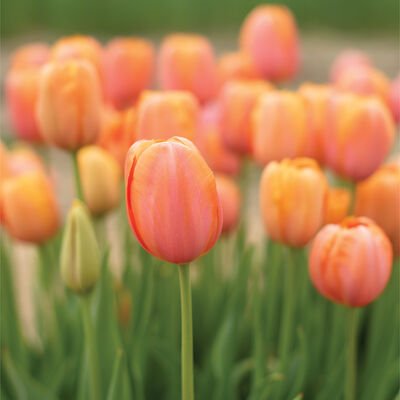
<point>237,100</point>
<point>101,179</point>
<point>292,199</point>
<point>279,127</point>
<point>128,68</point>
<point>22,159</point>
<point>359,135</point>
<point>69,104</point>
<point>378,198</point>
<point>348,59</point>
<point>80,254</point>
<point>29,207</point>
<point>32,55</point>
<point>235,66</point>
<point>172,200</point>
<point>394,99</point>
<point>230,198</point>
<point>350,263</point>
<point>269,35</point>
<point>4,162</point>
<point>337,205</point>
<point>316,100</point>
<point>162,115</point>
<point>187,63</point>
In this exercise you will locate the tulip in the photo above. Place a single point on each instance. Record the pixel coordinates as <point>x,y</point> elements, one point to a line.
<point>230,198</point>
<point>22,159</point>
<point>279,127</point>
<point>269,35</point>
<point>350,263</point>
<point>235,66</point>
<point>337,205</point>
<point>378,198</point>
<point>101,179</point>
<point>162,115</point>
<point>4,162</point>
<point>292,199</point>
<point>128,68</point>
<point>187,62</point>
<point>33,55</point>
<point>348,59</point>
<point>316,100</point>
<point>172,200</point>
<point>394,99</point>
<point>29,207</point>
<point>69,105</point>
<point>237,100</point>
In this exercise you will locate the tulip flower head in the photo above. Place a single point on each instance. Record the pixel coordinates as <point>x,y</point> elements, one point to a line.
<point>33,55</point>
<point>172,201</point>
<point>337,205</point>
<point>292,200</point>
<point>22,159</point>
<point>350,263</point>
<point>348,59</point>
<point>394,99</point>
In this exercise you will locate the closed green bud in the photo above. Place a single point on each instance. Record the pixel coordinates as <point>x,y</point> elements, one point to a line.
<point>80,254</point>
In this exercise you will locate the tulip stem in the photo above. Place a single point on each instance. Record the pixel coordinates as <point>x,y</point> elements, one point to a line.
<point>187,333</point>
<point>91,348</point>
<point>78,184</point>
<point>351,355</point>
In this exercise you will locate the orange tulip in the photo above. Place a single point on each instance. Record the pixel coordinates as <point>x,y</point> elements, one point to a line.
<point>350,263</point>
<point>230,198</point>
<point>161,115</point>
<point>359,135</point>
<point>279,127</point>
<point>316,100</point>
<point>394,99</point>
<point>237,100</point>
<point>235,66</point>
<point>69,106</point>
<point>22,159</point>
<point>172,200</point>
<point>337,205</point>
<point>378,198</point>
<point>128,68</point>
<point>292,199</point>
<point>33,55</point>
<point>101,179</point>
<point>30,208</point>
<point>348,59</point>
<point>187,63</point>
<point>269,35</point>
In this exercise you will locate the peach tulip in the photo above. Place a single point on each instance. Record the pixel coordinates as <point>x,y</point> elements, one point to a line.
<point>269,35</point>
<point>350,263</point>
<point>32,55</point>
<point>359,135</point>
<point>230,198</point>
<point>101,179</point>
<point>237,100</point>
<point>128,68</point>
<point>292,199</point>
<point>337,205</point>
<point>394,99</point>
<point>378,198</point>
<point>22,159</point>
<point>348,59</point>
<point>279,127</point>
<point>187,62</point>
<point>69,104</point>
<point>161,115</point>
<point>29,207</point>
<point>172,199</point>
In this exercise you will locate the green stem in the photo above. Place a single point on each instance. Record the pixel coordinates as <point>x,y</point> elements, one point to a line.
<point>187,333</point>
<point>91,348</point>
<point>78,183</point>
<point>351,355</point>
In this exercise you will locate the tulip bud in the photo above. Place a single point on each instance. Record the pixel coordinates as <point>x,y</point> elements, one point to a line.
<point>101,179</point>
<point>162,115</point>
<point>337,205</point>
<point>394,99</point>
<point>187,63</point>
<point>69,104</point>
<point>350,263</point>
<point>80,254</point>
<point>33,55</point>
<point>348,59</point>
<point>237,100</point>
<point>269,35</point>
<point>292,199</point>
<point>128,68</point>
<point>29,207</point>
<point>230,198</point>
<point>171,199</point>
<point>279,127</point>
<point>378,198</point>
